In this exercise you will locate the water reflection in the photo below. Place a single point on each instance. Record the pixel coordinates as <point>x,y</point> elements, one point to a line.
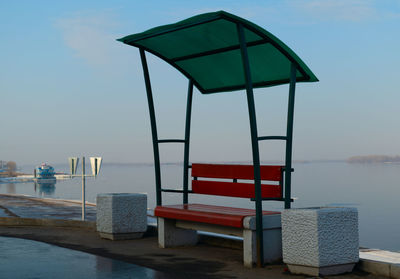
<point>118,268</point>
<point>45,188</point>
<point>55,262</point>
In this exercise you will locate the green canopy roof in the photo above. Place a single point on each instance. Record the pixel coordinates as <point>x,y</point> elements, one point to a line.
<point>205,48</point>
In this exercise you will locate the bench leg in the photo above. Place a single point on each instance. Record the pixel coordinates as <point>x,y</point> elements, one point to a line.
<point>272,246</point>
<point>170,236</point>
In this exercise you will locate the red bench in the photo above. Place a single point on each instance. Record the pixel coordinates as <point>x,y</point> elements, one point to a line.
<point>225,216</point>
<point>178,223</point>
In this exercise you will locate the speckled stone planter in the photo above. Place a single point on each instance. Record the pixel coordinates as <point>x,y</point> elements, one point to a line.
<point>320,241</point>
<point>121,216</point>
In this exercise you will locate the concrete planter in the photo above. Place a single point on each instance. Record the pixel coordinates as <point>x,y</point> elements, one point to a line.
<point>320,241</point>
<point>121,216</point>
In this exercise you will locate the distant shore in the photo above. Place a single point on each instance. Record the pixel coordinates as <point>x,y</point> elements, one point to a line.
<point>369,159</point>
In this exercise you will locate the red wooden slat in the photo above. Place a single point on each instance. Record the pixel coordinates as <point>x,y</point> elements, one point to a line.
<point>214,208</point>
<point>272,173</point>
<point>211,214</point>
<point>230,189</point>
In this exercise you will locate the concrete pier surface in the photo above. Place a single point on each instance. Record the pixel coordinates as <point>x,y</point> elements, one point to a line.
<point>57,222</point>
<point>44,208</point>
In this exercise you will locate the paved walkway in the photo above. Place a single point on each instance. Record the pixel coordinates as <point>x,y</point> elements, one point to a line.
<point>39,208</point>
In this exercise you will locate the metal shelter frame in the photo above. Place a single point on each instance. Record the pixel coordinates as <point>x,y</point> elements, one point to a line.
<point>255,138</point>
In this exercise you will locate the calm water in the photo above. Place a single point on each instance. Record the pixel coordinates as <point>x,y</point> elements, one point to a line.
<point>21,258</point>
<point>373,188</point>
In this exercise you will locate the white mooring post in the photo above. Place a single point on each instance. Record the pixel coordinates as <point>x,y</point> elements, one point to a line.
<point>83,188</point>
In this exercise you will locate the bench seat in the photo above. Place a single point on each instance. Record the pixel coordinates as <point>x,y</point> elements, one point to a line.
<point>210,214</point>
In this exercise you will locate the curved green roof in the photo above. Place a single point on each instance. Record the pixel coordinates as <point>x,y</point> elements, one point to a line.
<point>206,49</point>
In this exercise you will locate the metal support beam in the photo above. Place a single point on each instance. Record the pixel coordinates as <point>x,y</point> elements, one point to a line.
<point>218,50</point>
<point>153,126</point>
<point>171,141</point>
<point>272,138</point>
<point>289,136</point>
<point>254,145</point>
<point>187,141</point>
<point>174,191</point>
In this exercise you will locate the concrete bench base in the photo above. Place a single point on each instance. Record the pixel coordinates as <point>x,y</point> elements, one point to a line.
<point>171,236</point>
<point>321,271</point>
<point>173,233</point>
<point>121,236</point>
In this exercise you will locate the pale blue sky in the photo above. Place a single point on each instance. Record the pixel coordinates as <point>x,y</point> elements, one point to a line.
<point>68,88</point>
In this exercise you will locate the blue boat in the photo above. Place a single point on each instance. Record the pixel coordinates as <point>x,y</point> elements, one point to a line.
<point>45,171</point>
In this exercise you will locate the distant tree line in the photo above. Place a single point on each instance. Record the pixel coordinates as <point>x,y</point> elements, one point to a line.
<point>374,159</point>
<point>8,168</point>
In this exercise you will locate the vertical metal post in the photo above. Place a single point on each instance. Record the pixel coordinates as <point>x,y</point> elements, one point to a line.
<point>187,141</point>
<point>254,145</point>
<point>95,168</point>
<point>83,188</point>
<point>289,136</point>
<point>153,127</point>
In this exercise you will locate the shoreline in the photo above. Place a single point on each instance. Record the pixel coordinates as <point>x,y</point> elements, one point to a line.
<point>23,178</point>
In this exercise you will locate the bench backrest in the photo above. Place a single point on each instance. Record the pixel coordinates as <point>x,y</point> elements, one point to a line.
<point>235,172</point>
